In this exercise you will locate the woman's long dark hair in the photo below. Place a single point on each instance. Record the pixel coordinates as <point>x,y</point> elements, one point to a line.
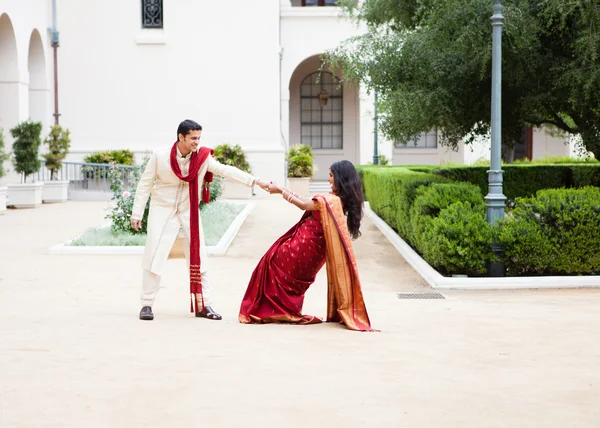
<point>349,190</point>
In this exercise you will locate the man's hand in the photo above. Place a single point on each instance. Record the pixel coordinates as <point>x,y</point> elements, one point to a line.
<point>136,224</point>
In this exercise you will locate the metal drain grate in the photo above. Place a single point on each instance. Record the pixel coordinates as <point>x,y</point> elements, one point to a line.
<point>421,296</point>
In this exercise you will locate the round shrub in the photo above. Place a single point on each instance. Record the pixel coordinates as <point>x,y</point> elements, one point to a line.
<point>431,200</point>
<point>459,240</point>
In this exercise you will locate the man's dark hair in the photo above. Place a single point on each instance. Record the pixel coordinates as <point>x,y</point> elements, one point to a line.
<point>186,126</point>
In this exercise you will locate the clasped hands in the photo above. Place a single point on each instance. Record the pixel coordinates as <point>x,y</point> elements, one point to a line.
<point>271,187</point>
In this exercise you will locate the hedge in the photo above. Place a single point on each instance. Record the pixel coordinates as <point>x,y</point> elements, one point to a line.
<point>555,233</point>
<point>526,180</point>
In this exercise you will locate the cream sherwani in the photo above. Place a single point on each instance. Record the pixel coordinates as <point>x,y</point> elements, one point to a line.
<point>169,217</point>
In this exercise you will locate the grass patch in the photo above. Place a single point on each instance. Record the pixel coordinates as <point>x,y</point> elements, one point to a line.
<point>216,218</point>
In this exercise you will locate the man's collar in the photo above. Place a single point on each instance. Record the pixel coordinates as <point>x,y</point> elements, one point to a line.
<point>181,156</point>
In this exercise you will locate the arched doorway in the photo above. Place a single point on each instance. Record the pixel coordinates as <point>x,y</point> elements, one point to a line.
<point>38,81</point>
<point>323,114</point>
<point>9,77</point>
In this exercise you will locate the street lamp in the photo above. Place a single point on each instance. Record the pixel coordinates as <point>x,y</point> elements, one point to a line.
<point>495,200</point>
<point>375,153</point>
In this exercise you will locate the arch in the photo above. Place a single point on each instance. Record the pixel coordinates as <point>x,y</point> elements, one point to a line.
<point>38,79</point>
<point>9,77</point>
<point>328,149</point>
<point>321,111</point>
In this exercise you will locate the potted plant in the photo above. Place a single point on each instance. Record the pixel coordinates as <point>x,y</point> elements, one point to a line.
<point>3,157</point>
<point>300,169</point>
<point>233,155</point>
<point>26,160</point>
<point>58,142</point>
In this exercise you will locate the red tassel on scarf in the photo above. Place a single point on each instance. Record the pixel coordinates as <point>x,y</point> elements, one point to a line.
<point>196,162</point>
<point>208,178</point>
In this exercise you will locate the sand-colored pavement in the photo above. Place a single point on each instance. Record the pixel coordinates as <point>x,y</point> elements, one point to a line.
<point>74,354</point>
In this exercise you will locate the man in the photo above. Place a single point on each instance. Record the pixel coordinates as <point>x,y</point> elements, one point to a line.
<point>175,176</point>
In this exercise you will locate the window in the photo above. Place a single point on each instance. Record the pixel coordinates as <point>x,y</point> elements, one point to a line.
<point>321,110</point>
<point>319,2</point>
<point>423,141</point>
<point>152,14</point>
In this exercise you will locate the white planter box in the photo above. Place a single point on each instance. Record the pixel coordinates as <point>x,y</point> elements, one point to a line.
<point>55,191</point>
<point>2,200</point>
<point>235,190</point>
<point>28,195</point>
<point>299,186</point>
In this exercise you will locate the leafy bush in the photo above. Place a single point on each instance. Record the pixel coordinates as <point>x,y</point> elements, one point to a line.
<point>123,183</point>
<point>232,156</point>
<point>3,155</point>
<point>431,200</point>
<point>26,147</point>
<point>300,161</point>
<point>58,142</point>
<point>118,157</point>
<point>555,233</point>
<point>459,240</point>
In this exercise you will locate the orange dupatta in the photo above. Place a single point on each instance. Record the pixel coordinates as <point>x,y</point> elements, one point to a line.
<point>344,295</point>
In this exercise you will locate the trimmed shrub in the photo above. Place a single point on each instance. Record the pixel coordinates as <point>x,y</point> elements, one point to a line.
<point>555,233</point>
<point>431,200</point>
<point>391,193</point>
<point>26,147</point>
<point>459,240</point>
<point>586,175</point>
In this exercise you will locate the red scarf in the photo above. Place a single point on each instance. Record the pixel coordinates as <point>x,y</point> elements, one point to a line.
<point>196,162</point>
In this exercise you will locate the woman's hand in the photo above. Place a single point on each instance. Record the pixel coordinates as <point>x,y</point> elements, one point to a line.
<point>274,188</point>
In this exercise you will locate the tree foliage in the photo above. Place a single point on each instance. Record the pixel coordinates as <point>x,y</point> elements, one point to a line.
<point>430,62</point>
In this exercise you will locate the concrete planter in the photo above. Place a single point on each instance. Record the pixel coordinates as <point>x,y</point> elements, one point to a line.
<point>299,185</point>
<point>55,191</point>
<point>235,190</point>
<point>2,200</point>
<point>28,195</point>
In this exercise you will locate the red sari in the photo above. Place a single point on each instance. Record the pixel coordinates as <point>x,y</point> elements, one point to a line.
<point>276,290</point>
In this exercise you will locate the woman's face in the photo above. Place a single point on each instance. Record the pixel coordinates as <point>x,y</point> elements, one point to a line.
<point>331,181</point>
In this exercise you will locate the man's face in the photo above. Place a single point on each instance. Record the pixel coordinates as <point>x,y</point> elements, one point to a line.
<point>191,141</point>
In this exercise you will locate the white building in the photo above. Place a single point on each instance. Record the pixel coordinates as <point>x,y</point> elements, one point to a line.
<point>130,71</point>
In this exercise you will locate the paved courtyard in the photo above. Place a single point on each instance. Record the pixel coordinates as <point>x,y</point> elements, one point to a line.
<point>74,354</point>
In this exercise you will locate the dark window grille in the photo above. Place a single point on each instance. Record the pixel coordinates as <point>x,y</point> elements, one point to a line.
<point>152,14</point>
<point>319,2</point>
<point>321,127</point>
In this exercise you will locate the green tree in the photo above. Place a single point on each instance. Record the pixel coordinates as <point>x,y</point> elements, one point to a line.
<point>59,142</point>
<point>430,62</point>
<point>26,147</point>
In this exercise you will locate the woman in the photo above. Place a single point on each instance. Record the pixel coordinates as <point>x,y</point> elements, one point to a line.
<point>277,287</point>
